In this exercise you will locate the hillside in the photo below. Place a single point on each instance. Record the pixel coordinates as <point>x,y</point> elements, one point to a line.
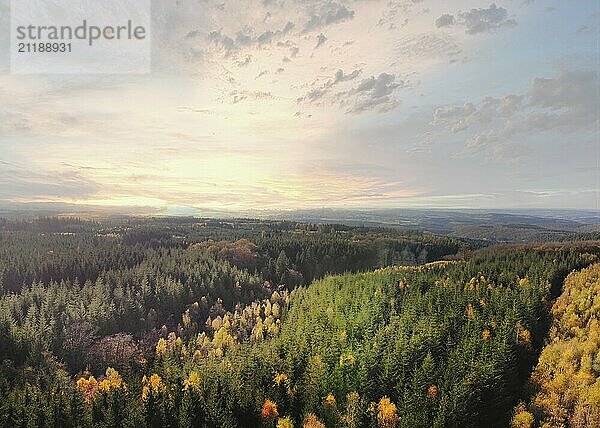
<point>566,382</point>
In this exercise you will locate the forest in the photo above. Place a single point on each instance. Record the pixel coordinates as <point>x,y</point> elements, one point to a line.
<point>189,322</point>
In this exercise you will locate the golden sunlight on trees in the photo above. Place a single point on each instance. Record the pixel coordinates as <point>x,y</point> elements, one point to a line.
<point>329,401</point>
<point>522,418</point>
<point>285,423</point>
<point>470,311</point>
<point>387,413</point>
<point>111,381</point>
<point>269,410</point>
<point>152,386</point>
<point>88,388</point>
<point>312,421</point>
<point>567,375</point>
<point>193,382</point>
<point>280,379</point>
<point>161,346</point>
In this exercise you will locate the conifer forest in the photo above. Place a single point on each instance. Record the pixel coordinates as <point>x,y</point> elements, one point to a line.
<point>186,322</point>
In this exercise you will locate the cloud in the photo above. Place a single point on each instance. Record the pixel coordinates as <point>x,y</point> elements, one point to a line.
<point>320,90</point>
<point>326,14</point>
<point>478,20</point>
<point>22,182</point>
<point>321,39</point>
<point>482,20</point>
<point>239,96</point>
<point>426,45</point>
<point>244,62</point>
<point>375,93</point>
<point>221,40</point>
<point>247,38</point>
<point>461,117</point>
<point>573,90</point>
<point>444,20</point>
<point>340,76</point>
<point>394,14</point>
<point>566,103</point>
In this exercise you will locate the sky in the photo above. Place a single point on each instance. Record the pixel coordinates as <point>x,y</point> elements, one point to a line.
<point>295,104</point>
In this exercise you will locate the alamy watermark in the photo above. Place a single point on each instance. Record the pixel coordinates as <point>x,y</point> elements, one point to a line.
<point>80,36</point>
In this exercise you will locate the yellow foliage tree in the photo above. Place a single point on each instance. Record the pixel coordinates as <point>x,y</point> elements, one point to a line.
<point>88,387</point>
<point>285,423</point>
<point>193,382</point>
<point>269,410</point>
<point>568,371</point>
<point>387,413</point>
<point>152,385</point>
<point>312,421</point>
<point>111,381</point>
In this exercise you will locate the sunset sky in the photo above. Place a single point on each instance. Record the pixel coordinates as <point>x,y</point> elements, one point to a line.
<point>287,104</point>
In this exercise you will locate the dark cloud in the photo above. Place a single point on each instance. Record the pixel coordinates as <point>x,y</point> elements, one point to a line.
<point>321,39</point>
<point>245,38</point>
<point>325,88</point>
<point>221,40</point>
<point>294,50</point>
<point>315,94</point>
<point>327,13</point>
<point>192,34</point>
<point>478,20</point>
<point>340,76</point>
<point>444,20</point>
<point>375,93</point>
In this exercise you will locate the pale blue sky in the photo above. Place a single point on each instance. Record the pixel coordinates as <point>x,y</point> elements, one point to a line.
<point>361,103</point>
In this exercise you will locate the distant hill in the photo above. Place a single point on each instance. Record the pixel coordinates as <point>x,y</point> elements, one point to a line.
<point>493,226</point>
